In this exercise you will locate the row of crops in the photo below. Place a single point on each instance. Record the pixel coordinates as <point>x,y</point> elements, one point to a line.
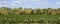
<point>29,19</point>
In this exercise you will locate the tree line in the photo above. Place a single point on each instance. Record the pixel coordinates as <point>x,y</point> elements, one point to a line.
<point>28,11</point>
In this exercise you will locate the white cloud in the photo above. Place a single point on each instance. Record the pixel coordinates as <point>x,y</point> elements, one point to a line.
<point>36,0</point>
<point>3,3</point>
<point>38,3</point>
<point>58,3</point>
<point>15,1</point>
<point>33,0</point>
<point>13,4</point>
<point>28,6</point>
<point>2,0</point>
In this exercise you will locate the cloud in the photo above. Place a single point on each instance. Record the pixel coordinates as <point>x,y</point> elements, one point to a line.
<point>13,4</point>
<point>28,6</point>
<point>33,0</point>
<point>29,3</point>
<point>2,0</point>
<point>58,3</point>
<point>3,3</point>
<point>15,1</point>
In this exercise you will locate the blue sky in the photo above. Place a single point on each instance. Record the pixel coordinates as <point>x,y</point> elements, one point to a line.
<point>31,3</point>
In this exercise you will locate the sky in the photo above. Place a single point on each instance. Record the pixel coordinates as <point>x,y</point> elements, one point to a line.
<point>31,3</point>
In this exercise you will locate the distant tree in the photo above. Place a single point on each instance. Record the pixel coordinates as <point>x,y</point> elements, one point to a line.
<point>20,7</point>
<point>3,11</point>
<point>27,11</point>
<point>49,11</point>
<point>58,11</point>
<point>32,12</point>
<point>38,11</point>
<point>44,11</point>
<point>14,11</point>
<point>17,11</point>
<point>20,11</point>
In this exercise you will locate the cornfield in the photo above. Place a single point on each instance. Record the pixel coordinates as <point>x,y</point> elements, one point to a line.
<point>29,19</point>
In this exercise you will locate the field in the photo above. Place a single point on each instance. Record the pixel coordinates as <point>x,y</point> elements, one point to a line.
<point>29,19</point>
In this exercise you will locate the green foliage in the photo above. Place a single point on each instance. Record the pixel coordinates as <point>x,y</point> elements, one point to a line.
<point>16,19</point>
<point>29,11</point>
<point>29,16</point>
